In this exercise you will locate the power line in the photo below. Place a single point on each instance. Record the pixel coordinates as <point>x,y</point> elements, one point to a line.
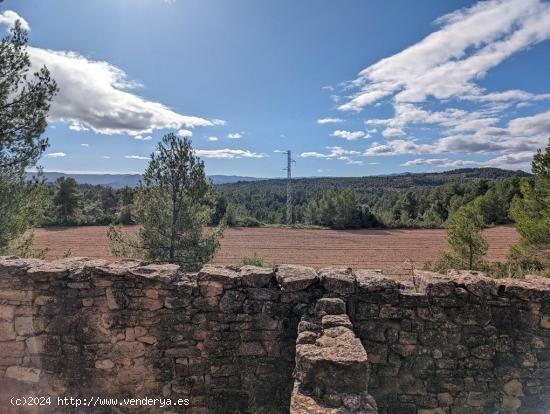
<point>289,187</point>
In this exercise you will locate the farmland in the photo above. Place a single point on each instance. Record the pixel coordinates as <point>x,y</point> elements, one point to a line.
<point>384,249</point>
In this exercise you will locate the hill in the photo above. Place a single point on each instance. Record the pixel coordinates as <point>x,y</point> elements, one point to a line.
<point>379,182</point>
<point>130,180</point>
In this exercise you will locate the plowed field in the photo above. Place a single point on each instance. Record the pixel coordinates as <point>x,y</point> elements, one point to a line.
<point>383,249</point>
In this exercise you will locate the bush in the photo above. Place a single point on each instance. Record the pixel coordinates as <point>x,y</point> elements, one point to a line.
<point>254,260</point>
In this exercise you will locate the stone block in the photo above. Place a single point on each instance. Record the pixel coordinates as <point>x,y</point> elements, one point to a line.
<point>24,325</point>
<point>338,280</point>
<point>331,321</point>
<point>256,277</point>
<point>293,278</point>
<point>222,275</point>
<point>7,312</point>
<point>24,374</point>
<point>7,331</point>
<point>330,306</point>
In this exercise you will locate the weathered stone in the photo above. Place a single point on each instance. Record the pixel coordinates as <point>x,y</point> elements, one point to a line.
<point>513,388</point>
<point>330,321</point>
<point>15,295</point>
<point>339,280</point>
<point>251,349</point>
<point>222,275</point>
<point>374,281</point>
<point>330,306</point>
<point>105,364</point>
<point>256,277</point>
<point>7,331</point>
<point>294,278</point>
<point>7,312</point>
<point>24,374</point>
<point>24,326</point>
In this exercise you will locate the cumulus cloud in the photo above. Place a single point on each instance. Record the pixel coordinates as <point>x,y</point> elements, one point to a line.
<point>434,88</point>
<point>99,96</point>
<point>338,153</point>
<point>136,157</point>
<point>184,133</point>
<point>213,139</point>
<point>348,135</point>
<point>229,153</point>
<point>9,17</point>
<point>447,62</point>
<point>235,135</point>
<point>516,161</point>
<point>324,121</point>
<point>56,155</point>
<point>440,162</point>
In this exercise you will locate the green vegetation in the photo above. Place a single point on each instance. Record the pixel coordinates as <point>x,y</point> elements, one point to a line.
<point>253,261</point>
<point>409,200</point>
<point>339,210</point>
<point>24,105</point>
<point>173,204</point>
<point>466,242</point>
<point>530,209</point>
<point>531,212</point>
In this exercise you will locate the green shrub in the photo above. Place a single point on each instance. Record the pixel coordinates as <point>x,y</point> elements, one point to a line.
<point>254,260</point>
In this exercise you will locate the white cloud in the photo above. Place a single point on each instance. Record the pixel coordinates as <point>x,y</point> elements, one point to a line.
<point>324,121</point>
<point>313,154</point>
<point>142,138</point>
<point>348,135</point>
<point>84,145</point>
<point>338,153</point>
<point>510,95</point>
<point>96,95</point>
<point>235,135</point>
<point>447,62</point>
<point>213,139</point>
<point>56,155</point>
<point>228,153</point>
<point>106,157</point>
<point>9,17</point>
<point>516,161</point>
<point>77,126</point>
<point>184,133</point>
<point>218,122</point>
<point>136,157</point>
<point>393,132</point>
<point>440,162</point>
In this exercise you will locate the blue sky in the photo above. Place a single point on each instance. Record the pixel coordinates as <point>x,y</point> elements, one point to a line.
<point>352,88</point>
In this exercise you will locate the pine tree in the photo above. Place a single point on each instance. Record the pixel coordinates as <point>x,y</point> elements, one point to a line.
<point>464,235</point>
<point>24,105</point>
<point>174,203</point>
<point>531,212</point>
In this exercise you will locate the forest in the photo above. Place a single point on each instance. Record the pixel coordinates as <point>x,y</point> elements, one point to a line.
<point>423,200</point>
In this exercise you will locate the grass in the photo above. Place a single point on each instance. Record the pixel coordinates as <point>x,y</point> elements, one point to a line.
<point>254,260</point>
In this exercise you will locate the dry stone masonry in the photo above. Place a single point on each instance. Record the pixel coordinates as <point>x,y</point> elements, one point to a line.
<point>285,340</point>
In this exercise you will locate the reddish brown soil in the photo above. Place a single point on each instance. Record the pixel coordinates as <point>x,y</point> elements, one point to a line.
<point>382,249</point>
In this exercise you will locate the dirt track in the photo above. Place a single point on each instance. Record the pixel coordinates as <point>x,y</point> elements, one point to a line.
<point>382,249</point>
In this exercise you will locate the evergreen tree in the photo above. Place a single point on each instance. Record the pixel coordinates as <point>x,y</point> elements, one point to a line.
<point>24,105</point>
<point>464,235</point>
<point>66,199</point>
<point>173,204</point>
<point>531,212</point>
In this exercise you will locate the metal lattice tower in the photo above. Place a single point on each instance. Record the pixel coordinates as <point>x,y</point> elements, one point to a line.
<point>289,187</point>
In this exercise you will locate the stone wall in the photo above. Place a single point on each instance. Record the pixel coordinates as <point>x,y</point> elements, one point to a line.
<point>252,340</point>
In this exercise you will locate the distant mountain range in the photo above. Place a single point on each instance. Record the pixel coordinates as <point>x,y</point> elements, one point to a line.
<point>403,180</point>
<point>130,180</point>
